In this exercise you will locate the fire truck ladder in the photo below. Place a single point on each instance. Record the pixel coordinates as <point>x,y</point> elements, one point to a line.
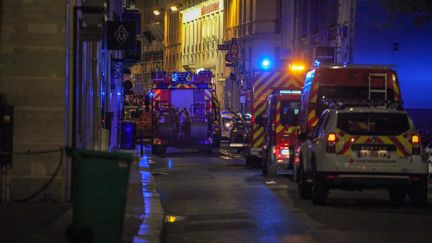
<point>378,77</point>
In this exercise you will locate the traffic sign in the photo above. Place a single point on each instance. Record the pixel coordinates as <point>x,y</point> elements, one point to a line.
<point>234,49</point>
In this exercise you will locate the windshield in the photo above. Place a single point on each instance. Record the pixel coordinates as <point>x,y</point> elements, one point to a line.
<point>373,123</point>
<point>289,112</point>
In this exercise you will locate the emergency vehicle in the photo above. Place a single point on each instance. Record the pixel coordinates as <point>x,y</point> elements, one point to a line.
<point>184,111</point>
<point>281,144</point>
<point>368,82</point>
<point>264,84</point>
<point>354,147</point>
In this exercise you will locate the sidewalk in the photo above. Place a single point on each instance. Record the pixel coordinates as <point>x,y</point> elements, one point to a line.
<point>47,221</point>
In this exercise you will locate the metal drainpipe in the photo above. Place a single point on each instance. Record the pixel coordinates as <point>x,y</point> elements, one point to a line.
<point>96,98</point>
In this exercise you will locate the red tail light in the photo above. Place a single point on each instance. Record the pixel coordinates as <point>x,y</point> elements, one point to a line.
<point>415,142</point>
<point>331,143</point>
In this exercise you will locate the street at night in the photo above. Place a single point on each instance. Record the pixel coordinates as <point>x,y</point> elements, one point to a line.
<point>219,199</point>
<point>215,121</point>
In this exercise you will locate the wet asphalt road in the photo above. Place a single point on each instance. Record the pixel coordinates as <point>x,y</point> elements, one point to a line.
<point>218,199</point>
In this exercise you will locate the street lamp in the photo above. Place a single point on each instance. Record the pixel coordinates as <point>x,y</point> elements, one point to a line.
<point>157,11</point>
<point>175,7</point>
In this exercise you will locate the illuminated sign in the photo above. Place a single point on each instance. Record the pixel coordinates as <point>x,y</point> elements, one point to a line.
<point>201,10</point>
<point>210,8</point>
<point>289,91</point>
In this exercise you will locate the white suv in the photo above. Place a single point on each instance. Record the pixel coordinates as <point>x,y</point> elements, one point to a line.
<point>363,147</point>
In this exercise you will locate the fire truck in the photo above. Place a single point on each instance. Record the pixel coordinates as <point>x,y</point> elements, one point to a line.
<point>184,111</point>
<point>263,85</point>
<point>326,84</point>
<point>281,145</point>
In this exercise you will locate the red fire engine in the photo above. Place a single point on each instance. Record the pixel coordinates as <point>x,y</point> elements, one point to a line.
<point>264,84</point>
<point>281,145</point>
<point>184,111</point>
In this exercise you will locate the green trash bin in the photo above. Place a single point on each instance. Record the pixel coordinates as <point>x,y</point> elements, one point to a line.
<point>99,188</point>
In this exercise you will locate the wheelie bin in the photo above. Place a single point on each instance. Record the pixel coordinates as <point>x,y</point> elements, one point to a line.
<point>99,188</point>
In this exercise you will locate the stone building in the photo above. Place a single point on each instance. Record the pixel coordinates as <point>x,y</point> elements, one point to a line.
<point>57,73</point>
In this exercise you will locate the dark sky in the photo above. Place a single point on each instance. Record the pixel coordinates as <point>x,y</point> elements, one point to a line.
<point>376,33</point>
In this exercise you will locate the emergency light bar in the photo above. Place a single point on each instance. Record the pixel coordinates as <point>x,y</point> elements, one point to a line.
<point>289,91</point>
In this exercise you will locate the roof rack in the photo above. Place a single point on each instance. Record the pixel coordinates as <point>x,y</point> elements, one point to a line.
<point>344,103</point>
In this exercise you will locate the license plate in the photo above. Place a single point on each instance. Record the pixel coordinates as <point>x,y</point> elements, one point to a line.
<point>373,154</point>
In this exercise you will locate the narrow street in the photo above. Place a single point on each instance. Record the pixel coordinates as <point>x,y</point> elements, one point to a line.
<point>219,199</point>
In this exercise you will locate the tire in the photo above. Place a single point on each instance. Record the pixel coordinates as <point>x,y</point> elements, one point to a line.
<point>304,188</point>
<point>418,194</point>
<point>319,192</point>
<point>271,168</point>
<point>397,195</point>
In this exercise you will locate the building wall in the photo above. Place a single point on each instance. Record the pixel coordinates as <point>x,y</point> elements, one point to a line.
<point>257,25</point>
<point>201,32</point>
<point>324,23</point>
<point>152,46</point>
<point>32,78</point>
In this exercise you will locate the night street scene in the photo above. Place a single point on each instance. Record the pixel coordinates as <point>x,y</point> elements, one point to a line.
<point>215,121</point>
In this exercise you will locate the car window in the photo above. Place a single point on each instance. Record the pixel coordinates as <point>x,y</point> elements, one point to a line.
<point>373,123</point>
<point>318,127</point>
<point>289,112</point>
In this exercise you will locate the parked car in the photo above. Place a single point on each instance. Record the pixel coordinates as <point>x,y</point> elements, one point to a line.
<point>238,138</point>
<point>226,124</point>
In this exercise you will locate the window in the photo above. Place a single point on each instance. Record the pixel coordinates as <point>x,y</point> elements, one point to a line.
<point>322,123</point>
<point>348,93</point>
<point>289,112</point>
<point>373,123</point>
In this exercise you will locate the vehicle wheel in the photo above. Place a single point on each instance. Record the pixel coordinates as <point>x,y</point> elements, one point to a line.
<point>271,168</point>
<point>418,194</point>
<point>397,195</point>
<point>319,192</point>
<point>304,188</point>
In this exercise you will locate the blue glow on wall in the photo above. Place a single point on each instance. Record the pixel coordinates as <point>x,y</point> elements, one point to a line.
<point>383,37</point>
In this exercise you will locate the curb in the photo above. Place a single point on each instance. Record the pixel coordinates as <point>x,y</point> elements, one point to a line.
<point>153,215</point>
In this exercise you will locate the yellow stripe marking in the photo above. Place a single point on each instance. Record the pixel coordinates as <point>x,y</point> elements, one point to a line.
<point>258,132</point>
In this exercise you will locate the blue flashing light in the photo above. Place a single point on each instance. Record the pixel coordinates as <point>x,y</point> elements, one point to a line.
<point>118,93</point>
<point>317,63</point>
<point>265,64</point>
<point>151,94</point>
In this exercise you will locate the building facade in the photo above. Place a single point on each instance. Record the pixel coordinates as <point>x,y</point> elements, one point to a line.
<point>324,30</point>
<point>191,38</point>
<point>65,87</point>
<point>263,30</point>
